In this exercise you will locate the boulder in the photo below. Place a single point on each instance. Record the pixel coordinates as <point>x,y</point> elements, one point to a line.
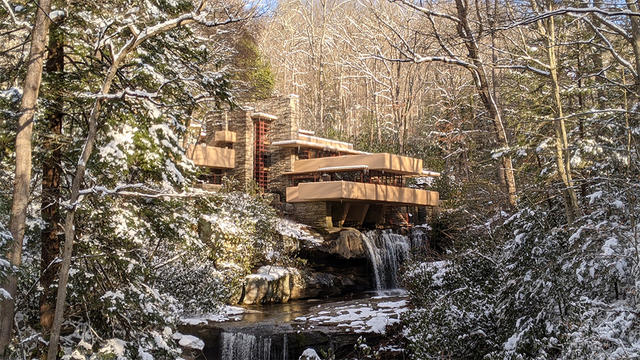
<point>336,264</point>
<point>342,254</point>
<point>307,285</point>
<point>275,284</point>
<point>348,245</point>
<point>309,354</point>
<point>271,284</point>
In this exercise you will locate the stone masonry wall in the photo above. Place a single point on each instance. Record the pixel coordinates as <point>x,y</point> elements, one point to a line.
<point>214,121</point>
<point>286,108</point>
<point>285,127</point>
<point>316,214</point>
<point>240,122</point>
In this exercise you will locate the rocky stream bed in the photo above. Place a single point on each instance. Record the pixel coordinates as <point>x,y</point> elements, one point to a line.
<point>347,296</point>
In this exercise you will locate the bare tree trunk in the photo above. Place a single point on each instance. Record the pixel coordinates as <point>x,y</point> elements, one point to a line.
<point>376,106</point>
<point>627,125</point>
<point>598,63</point>
<point>69,226</point>
<point>321,77</point>
<point>632,119</point>
<point>484,90</point>
<point>635,42</point>
<point>23,164</point>
<point>51,171</point>
<point>491,18</point>
<point>563,157</point>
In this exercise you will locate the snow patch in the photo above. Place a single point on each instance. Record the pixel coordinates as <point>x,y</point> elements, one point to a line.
<point>295,230</point>
<point>115,347</point>
<point>595,196</point>
<point>360,317</point>
<point>4,294</point>
<point>57,15</point>
<point>189,341</point>
<point>12,94</point>
<point>608,246</point>
<point>309,354</point>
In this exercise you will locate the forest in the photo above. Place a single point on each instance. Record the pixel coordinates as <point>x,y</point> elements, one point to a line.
<point>526,114</point>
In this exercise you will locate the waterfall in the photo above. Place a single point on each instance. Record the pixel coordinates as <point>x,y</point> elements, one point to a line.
<point>243,346</point>
<point>240,346</point>
<point>387,252</point>
<point>285,350</point>
<point>419,238</point>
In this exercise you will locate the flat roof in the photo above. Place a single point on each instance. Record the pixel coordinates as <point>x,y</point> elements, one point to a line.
<point>314,145</point>
<point>313,138</point>
<point>263,116</point>
<point>430,173</point>
<point>394,164</point>
<point>346,167</point>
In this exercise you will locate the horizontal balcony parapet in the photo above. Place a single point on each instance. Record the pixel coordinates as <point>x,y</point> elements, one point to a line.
<point>383,161</point>
<point>212,156</point>
<point>224,136</point>
<point>355,191</point>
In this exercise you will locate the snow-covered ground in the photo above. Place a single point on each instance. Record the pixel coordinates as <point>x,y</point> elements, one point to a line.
<point>361,316</point>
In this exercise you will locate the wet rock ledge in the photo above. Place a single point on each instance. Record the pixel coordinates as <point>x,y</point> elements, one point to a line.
<point>337,265</point>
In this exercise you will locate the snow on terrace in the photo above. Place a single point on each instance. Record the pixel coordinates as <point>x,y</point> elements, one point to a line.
<point>360,316</point>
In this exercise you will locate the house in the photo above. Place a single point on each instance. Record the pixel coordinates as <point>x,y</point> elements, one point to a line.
<point>323,182</point>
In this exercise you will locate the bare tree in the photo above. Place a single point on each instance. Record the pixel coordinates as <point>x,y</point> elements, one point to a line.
<point>51,173</point>
<point>23,164</point>
<point>449,53</point>
<point>547,29</point>
<point>545,15</point>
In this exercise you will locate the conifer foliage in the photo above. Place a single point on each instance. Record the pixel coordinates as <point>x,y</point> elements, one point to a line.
<point>134,73</point>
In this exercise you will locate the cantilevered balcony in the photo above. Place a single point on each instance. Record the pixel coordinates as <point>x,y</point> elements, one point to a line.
<point>212,156</point>
<point>355,191</point>
<point>224,136</point>
<point>382,162</point>
<point>306,140</point>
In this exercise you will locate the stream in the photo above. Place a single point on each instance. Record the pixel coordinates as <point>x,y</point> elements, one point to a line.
<point>330,326</point>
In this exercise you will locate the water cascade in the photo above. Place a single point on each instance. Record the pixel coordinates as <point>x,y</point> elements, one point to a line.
<point>388,251</point>
<point>283,331</point>
<point>242,346</point>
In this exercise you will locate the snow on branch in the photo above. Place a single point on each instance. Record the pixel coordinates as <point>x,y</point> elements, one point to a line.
<point>609,47</point>
<point>568,10</point>
<point>102,190</point>
<point>13,16</point>
<point>426,11</point>
<point>142,190</point>
<point>598,111</point>
<point>423,59</point>
<point>121,95</point>
<point>524,67</point>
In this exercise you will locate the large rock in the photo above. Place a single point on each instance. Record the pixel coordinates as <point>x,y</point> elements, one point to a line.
<point>336,265</point>
<point>272,284</point>
<point>275,284</point>
<point>348,245</point>
<point>344,255</point>
<point>307,285</point>
<point>309,354</point>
